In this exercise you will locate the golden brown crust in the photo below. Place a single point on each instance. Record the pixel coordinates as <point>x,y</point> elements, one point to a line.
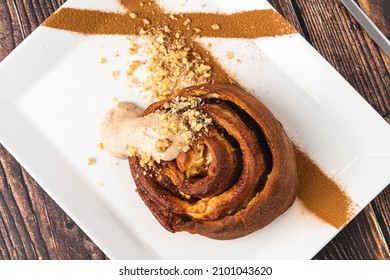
<point>251,180</point>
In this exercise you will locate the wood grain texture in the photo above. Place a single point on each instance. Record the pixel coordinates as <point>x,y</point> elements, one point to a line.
<point>340,39</point>
<point>33,226</point>
<point>10,30</point>
<point>381,206</point>
<point>364,233</point>
<point>379,12</point>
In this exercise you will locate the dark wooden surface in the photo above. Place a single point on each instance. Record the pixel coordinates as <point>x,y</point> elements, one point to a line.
<point>33,226</point>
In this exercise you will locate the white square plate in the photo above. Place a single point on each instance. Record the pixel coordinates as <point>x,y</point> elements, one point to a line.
<point>54,92</point>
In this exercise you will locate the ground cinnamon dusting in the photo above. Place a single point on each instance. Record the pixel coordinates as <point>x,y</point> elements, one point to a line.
<point>321,195</point>
<point>248,24</point>
<point>318,192</point>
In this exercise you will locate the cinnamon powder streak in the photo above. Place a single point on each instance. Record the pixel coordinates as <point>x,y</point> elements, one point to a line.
<point>321,195</point>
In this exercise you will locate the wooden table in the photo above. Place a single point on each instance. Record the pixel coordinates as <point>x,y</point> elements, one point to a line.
<point>33,226</point>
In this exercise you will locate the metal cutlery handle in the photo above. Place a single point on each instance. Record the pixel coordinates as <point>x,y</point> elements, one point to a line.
<point>368,25</point>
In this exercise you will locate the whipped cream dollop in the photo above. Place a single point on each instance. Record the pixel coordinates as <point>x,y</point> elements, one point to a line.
<point>124,127</point>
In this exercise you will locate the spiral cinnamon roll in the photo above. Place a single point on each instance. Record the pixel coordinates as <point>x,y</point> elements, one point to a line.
<point>237,176</point>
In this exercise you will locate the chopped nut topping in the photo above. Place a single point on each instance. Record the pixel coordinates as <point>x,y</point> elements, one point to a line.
<point>171,65</point>
<point>208,120</point>
<point>181,116</point>
<point>133,48</point>
<point>229,55</point>
<point>215,27</point>
<point>186,148</point>
<point>187,136</point>
<point>142,31</point>
<point>146,160</point>
<point>132,67</point>
<point>204,68</point>
<point>162,145</point>
<point>115,74</point>
<point>91,160</point>
<point>132,151</point>
<point>133,15</point>
<point>180,124</point>
<point>198,127</point>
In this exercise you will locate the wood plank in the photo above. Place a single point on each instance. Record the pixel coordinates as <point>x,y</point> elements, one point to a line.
<point>358,233</point>
<point>340,39</point>
<point>32,225</point>
<point>379,12</point>
<point>56,228</point>
<point>10,211</point>
<point>10,31</point>
<point>313,28</point>
<point>286,9</point>
<point>33,12</point>
<point>381,207</point>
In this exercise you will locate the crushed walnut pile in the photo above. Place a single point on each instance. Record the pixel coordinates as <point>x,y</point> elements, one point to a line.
<point>171,64</point>
<point>178,117</point>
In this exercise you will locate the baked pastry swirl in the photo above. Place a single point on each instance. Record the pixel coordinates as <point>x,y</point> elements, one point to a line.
<point>238,175</point>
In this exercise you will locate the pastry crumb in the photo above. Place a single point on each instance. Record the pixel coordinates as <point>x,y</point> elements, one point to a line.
<point>171,64</point>
<point>91,160</point>
<point>132,67</point>
<point>100,146</point>
<point>115,74</point>
<point>162,145</point>
<point>215,26</point>
<point>229,55</point>
<point>133,48</point>
<point>133,15</point>
<point>103,60</point>
<point>132,151</point>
